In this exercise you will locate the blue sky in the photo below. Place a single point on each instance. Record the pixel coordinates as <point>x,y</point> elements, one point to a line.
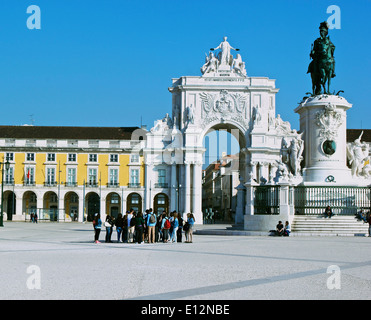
<point>110,63</point>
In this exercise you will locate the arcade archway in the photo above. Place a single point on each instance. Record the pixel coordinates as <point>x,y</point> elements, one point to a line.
<point>224,162</point>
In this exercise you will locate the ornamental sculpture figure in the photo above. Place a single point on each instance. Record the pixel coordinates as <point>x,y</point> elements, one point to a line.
<point>322,67</point>
<point>224,56</point>
<point>357,153</point>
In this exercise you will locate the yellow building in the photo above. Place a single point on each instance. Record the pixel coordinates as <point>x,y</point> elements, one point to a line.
<point>63,172</point>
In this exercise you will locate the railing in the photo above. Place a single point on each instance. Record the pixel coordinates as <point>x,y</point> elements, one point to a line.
<point>71,184</point>
<point>113,184</point>
<point>50,183</point>
<point>267,200</point>
<point>134,185</point>
<point>310,200</point>
<point>91,184</point>
<point>29,183</point>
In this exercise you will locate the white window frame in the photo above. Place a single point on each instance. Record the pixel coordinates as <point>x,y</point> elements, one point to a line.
<point>72,156</point>
<point>113,176</point>
<point>135,178</point>
<point>30,156</point>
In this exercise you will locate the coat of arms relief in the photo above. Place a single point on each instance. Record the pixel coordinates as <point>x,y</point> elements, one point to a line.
<point>223,106</point>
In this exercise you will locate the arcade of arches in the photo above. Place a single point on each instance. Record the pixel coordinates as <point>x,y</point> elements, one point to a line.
<point>46,205</point>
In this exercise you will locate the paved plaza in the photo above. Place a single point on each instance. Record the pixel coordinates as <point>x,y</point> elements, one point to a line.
<point>60,261</point>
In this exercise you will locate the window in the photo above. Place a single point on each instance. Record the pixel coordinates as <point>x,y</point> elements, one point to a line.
<point>30,157</point>
<point>9,176</point>
<point>9,156</point>
<point>134,158</point>
<point>161,176</point>
<point>115,198</point>
<point>93,157</point>
<point>50,157</point>
<point>114,158</point>
<point>50,177</point>
<point>113,177</point>
<point>134,178</point>
<point>72,157</point>
<point>93,177</point>
<point>71,177</point>
<point>29,176</point>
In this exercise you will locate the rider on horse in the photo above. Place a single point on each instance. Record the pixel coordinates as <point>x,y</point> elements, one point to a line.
<point>322,67</point>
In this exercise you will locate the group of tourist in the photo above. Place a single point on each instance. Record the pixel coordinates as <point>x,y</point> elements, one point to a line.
<point>148,227</point>
<point>282,230</point>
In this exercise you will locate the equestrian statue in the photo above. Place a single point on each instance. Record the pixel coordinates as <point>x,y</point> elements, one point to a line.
<point>322,66</point>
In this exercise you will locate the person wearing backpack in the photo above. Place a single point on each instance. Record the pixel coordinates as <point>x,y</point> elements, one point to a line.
<point>151,224</point>
<point>165,226</point>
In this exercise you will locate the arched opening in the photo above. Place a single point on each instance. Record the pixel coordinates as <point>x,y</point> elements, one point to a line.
<point>161,203</point>
<point>50,207</point>
<point>134,201</point>
<point>92,201</point>
<point>113,204</point>
<point>223,165</point>
<point>29,204</point>
<point>9,204</point>
<point>71,206</point>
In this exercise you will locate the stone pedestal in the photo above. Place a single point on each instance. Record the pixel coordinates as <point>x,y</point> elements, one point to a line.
<point>323,123</point>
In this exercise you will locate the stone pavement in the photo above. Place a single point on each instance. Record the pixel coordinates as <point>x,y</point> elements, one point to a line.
<point>60,261</point>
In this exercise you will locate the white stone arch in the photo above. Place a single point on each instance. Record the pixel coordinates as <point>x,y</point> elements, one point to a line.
<point>243,132</point>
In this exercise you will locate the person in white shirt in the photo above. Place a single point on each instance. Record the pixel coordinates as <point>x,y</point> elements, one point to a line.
<point>130,229</point>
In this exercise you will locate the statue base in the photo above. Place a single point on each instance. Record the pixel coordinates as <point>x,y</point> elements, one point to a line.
<point>323,121</point>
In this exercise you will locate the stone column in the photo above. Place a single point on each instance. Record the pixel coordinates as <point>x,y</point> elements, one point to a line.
<point>103,212</point>
<point>197,192</point>
<point>187,187</point>
<point>81,207</point>
<point>253,173</point>
<point>250,195</point>
<point>19,206</point>
<point>240,202</point>
<point>173,186</point>
<point>148,186</point>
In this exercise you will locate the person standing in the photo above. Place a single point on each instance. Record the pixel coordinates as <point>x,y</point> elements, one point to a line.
<point>109,226</point>
<point>139,226</point>
<point>190,222</point>
<point>180,228</point>
<point>165,226</point>
<point>369,224</point>
<point>119,225</point>
<point>175,224</point>
<point>125,228</point>
<point>97,223</point>
<point>151,225</point>
<point>130,226</point>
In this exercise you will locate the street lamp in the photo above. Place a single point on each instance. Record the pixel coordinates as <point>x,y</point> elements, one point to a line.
<point>6,165</point>
<point>177,188</point>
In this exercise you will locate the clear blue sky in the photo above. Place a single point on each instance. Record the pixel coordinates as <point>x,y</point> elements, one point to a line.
<point>109,63</point>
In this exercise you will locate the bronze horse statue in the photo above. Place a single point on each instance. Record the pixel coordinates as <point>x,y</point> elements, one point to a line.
<point>322,67</point>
